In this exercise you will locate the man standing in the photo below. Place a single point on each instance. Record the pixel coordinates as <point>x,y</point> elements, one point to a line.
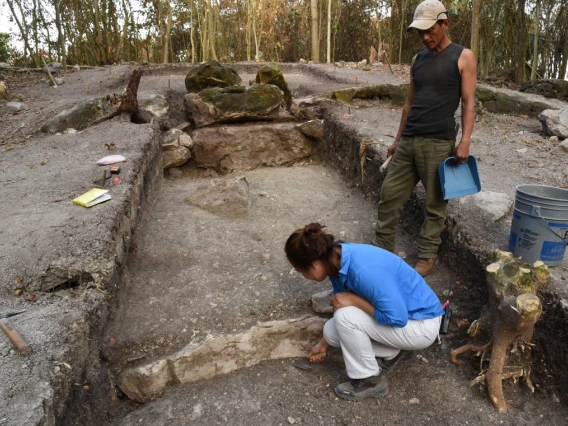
<point>440,76</point>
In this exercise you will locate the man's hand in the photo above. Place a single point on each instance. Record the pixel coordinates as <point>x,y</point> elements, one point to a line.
<point>392,149</point>
<point>461,153</point>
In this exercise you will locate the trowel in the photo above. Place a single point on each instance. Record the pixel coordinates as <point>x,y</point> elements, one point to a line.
<point>306,365</point>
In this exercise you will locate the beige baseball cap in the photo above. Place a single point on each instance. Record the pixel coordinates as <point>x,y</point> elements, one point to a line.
<point>427,14</point>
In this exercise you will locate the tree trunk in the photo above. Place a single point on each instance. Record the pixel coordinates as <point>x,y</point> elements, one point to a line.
<point>46,27</point>
<point>35,32</point>
<point>167,35</point>
<point>61,48</point>
<point>536,37</point>
<point>107,32</point>
<point>23,31</point>
<point>248,27</point>
<point>338,8</point>
<point>520,58</point>
<point>562,70</point>
<point>379,28</point>
<point>256,35</point>
<point>315,35</point>
<point>402,22</point>
<point>126,103</point>
<point>328,31</point>
<point>122,43</point>
<point>514,309</point>
<point>475,28</point>
<point>191,32</point>
<point>102,52</point>
<point>211,30</point>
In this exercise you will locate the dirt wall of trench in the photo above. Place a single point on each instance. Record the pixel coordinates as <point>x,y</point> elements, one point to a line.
<point>92,407</point>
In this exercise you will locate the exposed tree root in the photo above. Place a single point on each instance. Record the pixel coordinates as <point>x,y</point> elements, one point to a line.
<point>466,348</point>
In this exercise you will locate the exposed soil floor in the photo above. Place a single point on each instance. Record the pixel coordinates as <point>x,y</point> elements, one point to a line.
<point>191,273</point>
<point>186,281</point>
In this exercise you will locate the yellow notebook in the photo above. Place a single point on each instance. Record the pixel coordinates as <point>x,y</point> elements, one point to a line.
<point>92,197</point>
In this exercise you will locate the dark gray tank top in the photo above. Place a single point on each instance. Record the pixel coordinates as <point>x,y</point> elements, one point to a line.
<point>437,91</point>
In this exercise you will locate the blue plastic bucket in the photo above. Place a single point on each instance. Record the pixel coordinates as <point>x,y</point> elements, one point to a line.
<point>539,230</point>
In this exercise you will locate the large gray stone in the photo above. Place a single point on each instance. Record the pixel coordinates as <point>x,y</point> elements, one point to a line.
<point>211,74</point>
<point>171,138</point>
<point>313,129</point>
<point>306,108</point>
<point>551,88</point>
<point>505,101</point>
<point>155,104</point>
<point>247,147</point>
<point>555,122</point>
<point>223,197</point>
<point>272,74</point>
<point>234,104</point>
<point>77,117</point>
<point>175,156</point>
<point>175,138</point>
<point>55,67</point>
<point>321,302</point>
<point>222,354</point>
<point>185,140</point>
<point>496,204</point>
<point>395,93</point>
<point>15,106</point>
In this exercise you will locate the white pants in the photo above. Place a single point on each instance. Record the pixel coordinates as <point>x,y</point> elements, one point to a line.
<point>361,339</point>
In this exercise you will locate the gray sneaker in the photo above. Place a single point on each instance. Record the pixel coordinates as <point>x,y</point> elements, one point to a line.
<point>388,366</point>
<point>359,389</point>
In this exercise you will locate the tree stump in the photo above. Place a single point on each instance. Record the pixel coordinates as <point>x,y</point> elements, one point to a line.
<point>513,311</point>
<point>127,103</point>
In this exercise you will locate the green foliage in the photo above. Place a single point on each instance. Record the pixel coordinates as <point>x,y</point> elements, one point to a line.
<point>5,48</point>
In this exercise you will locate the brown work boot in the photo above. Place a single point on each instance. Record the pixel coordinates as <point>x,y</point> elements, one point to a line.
<point>425,266</point>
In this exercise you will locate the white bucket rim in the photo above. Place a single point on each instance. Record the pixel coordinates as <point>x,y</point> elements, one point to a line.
<point>522,191</point>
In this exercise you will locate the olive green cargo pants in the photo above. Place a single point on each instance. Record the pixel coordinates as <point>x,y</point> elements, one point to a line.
<point>415,159</point>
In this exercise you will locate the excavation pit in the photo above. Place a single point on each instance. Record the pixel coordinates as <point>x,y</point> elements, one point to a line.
<point>188,279</point>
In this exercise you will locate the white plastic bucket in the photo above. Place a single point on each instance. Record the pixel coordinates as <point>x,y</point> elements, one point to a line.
<point>539,230</point>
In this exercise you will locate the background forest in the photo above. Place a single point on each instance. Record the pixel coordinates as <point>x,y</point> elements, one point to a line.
<point>516,40</point>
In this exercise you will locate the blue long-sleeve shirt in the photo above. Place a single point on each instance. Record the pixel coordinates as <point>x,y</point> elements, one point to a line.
<point>396,291</point>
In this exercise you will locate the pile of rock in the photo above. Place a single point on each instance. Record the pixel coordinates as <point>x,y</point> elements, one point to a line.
<point>176,148</point>
<point>248,146</point>
<point>216,96</point>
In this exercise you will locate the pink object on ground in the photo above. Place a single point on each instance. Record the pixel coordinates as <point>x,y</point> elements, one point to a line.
<point>111,159</point>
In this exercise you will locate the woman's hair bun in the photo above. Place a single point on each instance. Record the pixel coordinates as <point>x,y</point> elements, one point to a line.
<point>313,228</point>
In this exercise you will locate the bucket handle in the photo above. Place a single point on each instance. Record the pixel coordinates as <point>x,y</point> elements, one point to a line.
<point>537,211</point>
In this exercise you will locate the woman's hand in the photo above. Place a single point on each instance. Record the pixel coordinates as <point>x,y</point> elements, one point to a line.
<point>343,299</point>
<point>347,298</point>
<point>318,352</point>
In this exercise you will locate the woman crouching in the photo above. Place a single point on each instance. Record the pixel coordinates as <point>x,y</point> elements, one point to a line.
<point>383,309</point>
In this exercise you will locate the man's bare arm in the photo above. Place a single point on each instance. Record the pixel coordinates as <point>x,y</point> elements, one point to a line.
<point>468,69</point>
<point>405,112</point>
